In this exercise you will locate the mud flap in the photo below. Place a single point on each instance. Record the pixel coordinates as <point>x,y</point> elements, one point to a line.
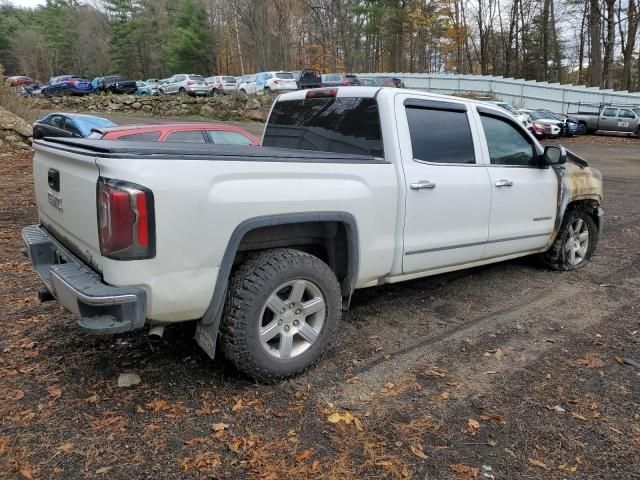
<point>206,337</point>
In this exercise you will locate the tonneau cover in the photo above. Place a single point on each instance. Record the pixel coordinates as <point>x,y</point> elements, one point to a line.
<point>196,151</point>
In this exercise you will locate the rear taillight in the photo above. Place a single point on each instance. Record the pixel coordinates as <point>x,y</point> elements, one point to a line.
<point>322,92</point>
<point>126,223</point>
<point>190,82</point>
<point>277,82</point>
<point>345,82</point>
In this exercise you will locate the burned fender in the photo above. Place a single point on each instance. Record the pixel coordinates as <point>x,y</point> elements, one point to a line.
<point>576,181</point>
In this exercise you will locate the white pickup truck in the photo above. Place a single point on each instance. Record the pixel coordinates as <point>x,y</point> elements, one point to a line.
<point>263,247</point>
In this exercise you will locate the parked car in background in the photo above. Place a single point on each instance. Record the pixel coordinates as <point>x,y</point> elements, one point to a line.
<point>539,130</point>
<point>177,132</point>
<point>153,82</point>
<point>68,125</point>
<point>20,80</point>
<point>275,82</point>
<point>67,85</point>
<point>143,88</point>
<point>522,117</point>
<point>569,125</point>
<point>222,85</point>
<point>185,84</point>
<point>621,119</point>
<point>307,78</point>
<point>555,126</point>
<point>380,82</point>
<point>352,80</point>
<point>247,85</point>
<point>114,84</point>
<point>333,80</point>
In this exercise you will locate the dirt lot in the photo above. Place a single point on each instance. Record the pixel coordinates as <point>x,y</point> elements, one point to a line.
<point>507,372</point>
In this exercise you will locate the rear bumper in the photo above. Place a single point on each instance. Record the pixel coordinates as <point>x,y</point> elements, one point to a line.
<point>100,308</point>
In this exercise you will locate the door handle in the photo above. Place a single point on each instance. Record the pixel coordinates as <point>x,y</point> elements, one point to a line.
<point>504,183</point>
<point>422,185</point>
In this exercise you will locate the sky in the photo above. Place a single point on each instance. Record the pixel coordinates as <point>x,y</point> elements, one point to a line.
<point>27,3</point>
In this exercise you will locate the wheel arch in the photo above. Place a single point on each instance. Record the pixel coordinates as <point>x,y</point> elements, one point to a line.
<point>287,230</point>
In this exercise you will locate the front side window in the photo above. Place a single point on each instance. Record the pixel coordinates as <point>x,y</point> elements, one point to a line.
<point>191,136</point>
<point>626,114</point>
<point>440,136</point>
<point>70,126</point>
<point>507,144</point>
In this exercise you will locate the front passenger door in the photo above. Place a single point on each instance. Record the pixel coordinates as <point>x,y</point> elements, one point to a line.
<point>524,195</point>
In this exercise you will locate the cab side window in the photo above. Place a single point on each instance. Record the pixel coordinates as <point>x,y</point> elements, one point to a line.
<point>71,127</point>
<point>440,136</point>
<point>507,144</point>
<point>626,114</point>
<point>609,112</point>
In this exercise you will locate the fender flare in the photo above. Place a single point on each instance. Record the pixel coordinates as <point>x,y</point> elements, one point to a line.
<point>207,329</point>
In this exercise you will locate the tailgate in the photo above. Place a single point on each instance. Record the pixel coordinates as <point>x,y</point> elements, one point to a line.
<point>65,186</point>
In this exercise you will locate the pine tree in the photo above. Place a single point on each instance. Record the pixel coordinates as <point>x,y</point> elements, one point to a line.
<point>190,46</point>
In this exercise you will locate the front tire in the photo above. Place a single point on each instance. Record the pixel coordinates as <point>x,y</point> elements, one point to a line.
<point>282,309</point>
<point>575,243</point>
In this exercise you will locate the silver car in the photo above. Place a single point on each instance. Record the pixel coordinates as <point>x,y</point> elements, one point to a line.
<point>222,85</point>
<point>186,84</point>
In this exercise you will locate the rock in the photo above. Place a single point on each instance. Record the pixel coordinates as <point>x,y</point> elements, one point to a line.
<point>147,108</point>
<point>13,123</point>
<point>136,105</point>
<point>207,110</point>
<point>126,380</point>
<point>128,100</point>
<point>22,146</point>
<point>252,104</point>
<point>11,138</point>
<point>258,115</point>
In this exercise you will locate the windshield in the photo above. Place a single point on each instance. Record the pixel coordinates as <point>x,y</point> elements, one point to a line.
<point>328,124</point>
<point>537,115</point>
<point>509,108</point>
<point>637,111</point>
<point>285,75</point>
<point>85,124</point>
<point>550,115</point>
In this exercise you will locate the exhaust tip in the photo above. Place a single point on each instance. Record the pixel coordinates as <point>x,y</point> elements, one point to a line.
<point>156,333</point>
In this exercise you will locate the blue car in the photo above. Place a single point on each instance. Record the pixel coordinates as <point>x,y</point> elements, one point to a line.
<point>68,125</point>
<point>143,88</point>
<point>67,85</point>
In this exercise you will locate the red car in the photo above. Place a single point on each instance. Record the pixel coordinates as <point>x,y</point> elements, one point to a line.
<point>20,80</point>
<point>540,130</point>
<point>178,132</point>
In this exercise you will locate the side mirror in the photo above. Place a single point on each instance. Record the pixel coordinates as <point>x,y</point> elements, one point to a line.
<point>554,155</point>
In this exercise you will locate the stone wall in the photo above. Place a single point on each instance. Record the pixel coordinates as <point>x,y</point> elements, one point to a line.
<point>220,107</point>
<point>14,130</point>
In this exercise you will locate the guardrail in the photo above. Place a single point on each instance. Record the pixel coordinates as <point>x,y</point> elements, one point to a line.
<point>519,92</point>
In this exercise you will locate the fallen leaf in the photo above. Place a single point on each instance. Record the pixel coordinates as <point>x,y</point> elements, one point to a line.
<point>26,472</point>
<point>358,424</point>
<point>472,427</point>
<point>315,467</point>
<point>158,405</point>
<point>436,372</point>
<point>337,417</point>
<point>465,469</point>
<point>578,416</point>
<point>193,441</point>
<point>17,395</point>
<point>538,463</point>
<point>218,427</point>
<point>102,470</point>
<point>153,427</point>
<point>620,360</point>
<point>593,360</point>
<point>55,392</point>
<point>65,447</point>
<point>280,414</point>
<point>238,406</point>
<point>492,416</point>
<point>405,472</point>
<point>417,451</point>
<point>302,456</point>
<point>444,396</point>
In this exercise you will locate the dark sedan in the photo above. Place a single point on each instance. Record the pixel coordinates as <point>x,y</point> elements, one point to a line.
<point>68,125</point>
<point>67,85</point>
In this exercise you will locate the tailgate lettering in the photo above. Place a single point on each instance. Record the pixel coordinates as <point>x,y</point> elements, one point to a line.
<point>55,200</point>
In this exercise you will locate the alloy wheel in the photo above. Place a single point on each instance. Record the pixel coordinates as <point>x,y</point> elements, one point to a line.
<point>577,243</point>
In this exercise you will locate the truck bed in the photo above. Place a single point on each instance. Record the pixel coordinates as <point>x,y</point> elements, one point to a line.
<point>193,151</point>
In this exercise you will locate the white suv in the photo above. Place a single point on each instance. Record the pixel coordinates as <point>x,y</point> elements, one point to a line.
<point>247,85</point>
<point>186,84</point>
<point>275,82</point>
<point>222,85</point>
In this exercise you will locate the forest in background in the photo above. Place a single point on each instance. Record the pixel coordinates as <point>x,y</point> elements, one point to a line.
<point>593,42</point>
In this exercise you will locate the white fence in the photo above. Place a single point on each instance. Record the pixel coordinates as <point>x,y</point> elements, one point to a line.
<point>519,92</point>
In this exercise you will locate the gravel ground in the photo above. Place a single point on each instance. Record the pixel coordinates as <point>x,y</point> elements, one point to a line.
<point>509,371</point>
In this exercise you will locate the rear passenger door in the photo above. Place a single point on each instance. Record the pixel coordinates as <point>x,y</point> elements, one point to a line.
<point>448,193</point>
<point>608,119</point>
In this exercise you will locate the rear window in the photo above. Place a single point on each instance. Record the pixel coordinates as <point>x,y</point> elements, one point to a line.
<point>141,137</point>
<point>197,78</point>
<point>340,125</point>
<point>331,78</point>
<point>285,75</point>
<point>229,79</point>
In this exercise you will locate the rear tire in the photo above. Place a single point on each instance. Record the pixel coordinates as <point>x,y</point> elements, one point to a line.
<point>582,129</point>
<point>282,309</point>
<point>575,243</point>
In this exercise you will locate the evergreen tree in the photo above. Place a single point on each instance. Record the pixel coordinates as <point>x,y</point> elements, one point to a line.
<point>189,49</point>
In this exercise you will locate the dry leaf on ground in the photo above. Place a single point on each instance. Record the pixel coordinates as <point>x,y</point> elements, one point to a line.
<point>472,427</point>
